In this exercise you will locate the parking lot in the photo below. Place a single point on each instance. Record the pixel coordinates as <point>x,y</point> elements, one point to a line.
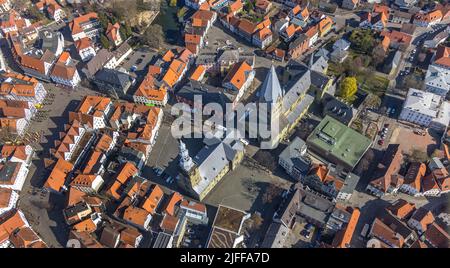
<point>196,236</point>
<point>408,140</point>
<point>299,237</point>
<point>137,61</point>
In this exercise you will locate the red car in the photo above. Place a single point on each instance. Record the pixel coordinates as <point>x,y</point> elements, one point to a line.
<point>380,142</point>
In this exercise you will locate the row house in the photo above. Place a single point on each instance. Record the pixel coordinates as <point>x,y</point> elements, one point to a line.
<point>69,140</point>
<point>204,18</point>
<point>31,33</point>
<point>397,39</point>
<point>150,90</point>
<point>235,7</point>
<point>19,87</point>
<point>313,35</point>
<point>9,200</point>
<point>15,166</point>
<point>197,28</point>
<point>427,19</point>
<point>16,232</point>
<point>53,9</point>
<point>113,33</point>
<point>93,112</point>
<point>89,184</point>
<point>38,64</point>
<point>60,173</point>
<point>11,22</point>
<point>437,78</point>
<point>86,25</point>
<point>350,4</point>
<point>374,21</point>
<point>15,115</point>
<point>262,6</point>
<point>420,220</point>
<point>239,79</point>
<point>299,13</point>
<point>262,38</point>
<point>85,48</point>
<point>386,178</point>
<point>194,4</point>
<point>324,26</point>
<point>64,72</point>
<point>401,17</point>
<point>174,73</point>
<point>298,47</point>
<point>288,33</point>
<point>412,184</point>
<point>5,5</point>
<point>246,29</point>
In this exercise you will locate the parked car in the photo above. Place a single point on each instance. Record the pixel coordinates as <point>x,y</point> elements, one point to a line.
<point>419,132</point>
<point>380,142</point>
<point>158,171</point>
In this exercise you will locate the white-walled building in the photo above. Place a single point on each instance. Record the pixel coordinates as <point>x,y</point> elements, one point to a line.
<point>425,109</point>
<point>85,49</point>
<point>437,79</point>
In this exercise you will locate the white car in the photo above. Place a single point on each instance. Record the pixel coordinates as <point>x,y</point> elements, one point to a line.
<point>158,171</point>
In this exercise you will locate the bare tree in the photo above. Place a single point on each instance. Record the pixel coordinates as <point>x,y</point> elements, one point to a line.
<point>270,193</point>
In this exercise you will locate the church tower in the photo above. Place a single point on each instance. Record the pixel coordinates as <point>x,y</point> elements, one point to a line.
<point>271,93</point>
<point>186,162</point>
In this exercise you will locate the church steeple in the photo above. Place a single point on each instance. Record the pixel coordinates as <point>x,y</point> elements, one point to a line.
<point>186,162</point>
<point>271,89</point>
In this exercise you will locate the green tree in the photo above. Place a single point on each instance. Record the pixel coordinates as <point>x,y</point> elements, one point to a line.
<point>173,3</point>
<point>104,41</point>
<point>35,14</point>
<point>362,40</point>
<point>103,20</point>
<point>348,88</point>
<point>153,36</point>
<point>417,155</point>
<point>128,30</point>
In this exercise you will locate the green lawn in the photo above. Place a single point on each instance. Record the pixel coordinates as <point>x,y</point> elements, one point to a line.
<point>373,84</point>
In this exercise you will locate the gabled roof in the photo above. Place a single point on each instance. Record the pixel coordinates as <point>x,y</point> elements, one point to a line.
<point>247,26</point>
<point>271,89</point>
<point>153,199</point>
<point>112,31</point>
<point>442,56</point>
<point>63,71</point>
<point>75,25</point>
<point>238,74</point>
<point>83,43</point>
<point>402,209</point>
<point>344,237</point>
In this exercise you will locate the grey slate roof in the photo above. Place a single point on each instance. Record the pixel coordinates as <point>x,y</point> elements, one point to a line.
<point>341,44</point>
<point>337,109</point>
<point>271,89</point>
<point>113,77</point>
<point>275,236</point>
<point>98,61</point>
<point>162,240</point>
<point>293,155</point>
<point>228,55</point>
<point>51,40</point>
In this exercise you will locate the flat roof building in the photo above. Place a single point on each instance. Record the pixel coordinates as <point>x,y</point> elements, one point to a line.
<point>338,143</point>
